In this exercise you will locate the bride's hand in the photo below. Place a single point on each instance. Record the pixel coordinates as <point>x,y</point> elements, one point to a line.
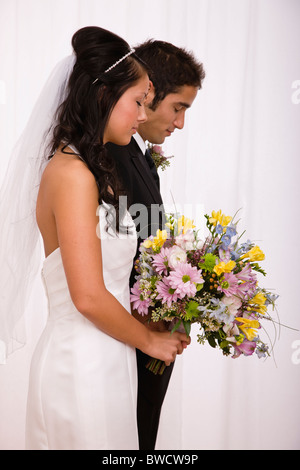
<point>165,345</point>
<point>151,325</point>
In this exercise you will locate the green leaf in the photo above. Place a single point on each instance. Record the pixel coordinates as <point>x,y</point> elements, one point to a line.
<point>256,267</point>
<point>211,341</point>
<point>176,326</point>
<point>187,327</point>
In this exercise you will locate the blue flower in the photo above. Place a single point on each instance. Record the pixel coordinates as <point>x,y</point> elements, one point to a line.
<point>231,231</point>
<point>234,255</point>
<point>245,247</point>
<point>271,298</point>
<point>212,248</point>
<point>219,229</point>
<point>217,311</point>
<point>261,350</point>
<point>226,240</point>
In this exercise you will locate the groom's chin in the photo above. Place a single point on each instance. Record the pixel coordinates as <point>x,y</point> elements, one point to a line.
<point>158,140</point>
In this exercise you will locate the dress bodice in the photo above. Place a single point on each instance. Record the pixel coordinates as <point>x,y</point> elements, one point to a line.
<point>117,250</point>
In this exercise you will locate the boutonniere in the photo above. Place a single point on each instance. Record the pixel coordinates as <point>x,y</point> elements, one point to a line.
<point>158,156</point>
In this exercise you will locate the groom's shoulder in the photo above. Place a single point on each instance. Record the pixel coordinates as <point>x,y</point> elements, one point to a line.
<point>122,151</point>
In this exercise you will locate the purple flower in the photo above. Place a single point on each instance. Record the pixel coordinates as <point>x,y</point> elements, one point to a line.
<point>184,279</point>
<point>246,347</point>
<point>224,255</point>
<point>165,292</point>
<point>160,261</point>
<point>158,149</point>
<point>246,290</point>
<point>229,284</point>
<point>140,303</point>
<point>246,274</point>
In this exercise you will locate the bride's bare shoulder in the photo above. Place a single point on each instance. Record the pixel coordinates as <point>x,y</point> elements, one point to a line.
<point>66,170</point>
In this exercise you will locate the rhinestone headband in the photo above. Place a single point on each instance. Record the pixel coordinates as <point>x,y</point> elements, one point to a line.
<point>116,63</point>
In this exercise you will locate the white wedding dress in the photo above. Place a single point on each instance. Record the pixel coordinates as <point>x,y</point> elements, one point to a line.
<point>83,383</point>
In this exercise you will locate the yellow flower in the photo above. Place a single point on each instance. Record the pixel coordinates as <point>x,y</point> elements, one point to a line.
<point>170,226</point>
<point>185,224</point>
<point>259,303</point>
<point>249,327</point>
<point>214,219</point>
<point>255,254</point>
<point>148,243</point>
<point>224,267</point>
<point>259,299</point>
<point>218,217</point>
<point>159,240</point>
<point>226,219</point>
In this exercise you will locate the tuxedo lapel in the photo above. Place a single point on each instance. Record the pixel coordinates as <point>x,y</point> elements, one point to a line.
<point>140,163</point>
<point>152,167</point>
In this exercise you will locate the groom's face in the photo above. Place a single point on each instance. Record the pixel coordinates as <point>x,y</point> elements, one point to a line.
<point>168,116</point>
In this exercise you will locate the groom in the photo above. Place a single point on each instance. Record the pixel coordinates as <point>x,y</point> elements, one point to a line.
<point>175,78</point>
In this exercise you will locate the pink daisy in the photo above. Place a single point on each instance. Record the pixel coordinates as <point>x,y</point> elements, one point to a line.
<point>160,261</point>
<point>137,298</point>
<point>229,285</point>
<point>165,292</point>
<point>184,279</point>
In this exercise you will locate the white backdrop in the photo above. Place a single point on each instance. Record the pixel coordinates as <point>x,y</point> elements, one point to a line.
<point>239,149</point>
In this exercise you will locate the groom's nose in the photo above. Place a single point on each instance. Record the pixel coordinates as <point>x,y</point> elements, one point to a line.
<point>179,120</point>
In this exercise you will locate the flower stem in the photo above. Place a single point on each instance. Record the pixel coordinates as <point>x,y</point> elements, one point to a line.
<point>156,366</point>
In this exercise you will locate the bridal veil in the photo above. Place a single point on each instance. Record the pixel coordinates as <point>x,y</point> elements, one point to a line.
<point>20,247</point>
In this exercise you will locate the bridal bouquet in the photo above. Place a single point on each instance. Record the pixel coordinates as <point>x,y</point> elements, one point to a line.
<point>183,279</point>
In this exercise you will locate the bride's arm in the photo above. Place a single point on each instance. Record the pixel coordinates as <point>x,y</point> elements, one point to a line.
<point>74,197</point>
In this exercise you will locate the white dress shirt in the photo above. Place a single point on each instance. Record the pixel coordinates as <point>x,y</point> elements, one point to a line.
<point>140,142</point>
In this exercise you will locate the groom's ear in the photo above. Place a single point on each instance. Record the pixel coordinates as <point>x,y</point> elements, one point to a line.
<point>151,94</point>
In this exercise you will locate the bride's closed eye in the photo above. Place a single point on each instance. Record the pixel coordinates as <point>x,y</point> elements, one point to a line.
<point>142,101</point>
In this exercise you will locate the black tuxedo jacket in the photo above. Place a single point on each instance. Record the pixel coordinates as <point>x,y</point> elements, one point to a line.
<point>139,180</point>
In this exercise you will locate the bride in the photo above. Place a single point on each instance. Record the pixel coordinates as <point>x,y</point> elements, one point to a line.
<point>82,389</point>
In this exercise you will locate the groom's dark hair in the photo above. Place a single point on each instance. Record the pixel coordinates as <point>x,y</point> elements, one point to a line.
<point>170,67</point>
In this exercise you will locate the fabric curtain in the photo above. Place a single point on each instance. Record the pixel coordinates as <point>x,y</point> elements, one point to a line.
<point>239,150</point>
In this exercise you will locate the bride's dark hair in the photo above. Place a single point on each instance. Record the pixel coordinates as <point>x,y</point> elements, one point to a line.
<point>91,96</point>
